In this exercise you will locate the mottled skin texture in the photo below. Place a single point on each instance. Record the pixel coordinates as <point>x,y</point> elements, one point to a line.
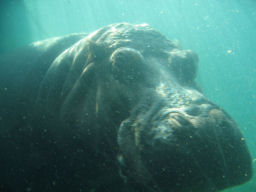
<point>115,110</point>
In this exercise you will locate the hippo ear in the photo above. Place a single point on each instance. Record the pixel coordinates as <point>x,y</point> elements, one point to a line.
<point>184,64</point>
<point>127,65</point>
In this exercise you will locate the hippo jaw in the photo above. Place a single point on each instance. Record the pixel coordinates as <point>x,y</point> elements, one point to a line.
<point>183,142</point>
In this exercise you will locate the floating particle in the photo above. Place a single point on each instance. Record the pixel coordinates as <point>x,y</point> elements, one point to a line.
<point>229,51</point>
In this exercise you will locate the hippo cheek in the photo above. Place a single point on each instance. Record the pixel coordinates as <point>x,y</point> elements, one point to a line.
<point>203,147</point>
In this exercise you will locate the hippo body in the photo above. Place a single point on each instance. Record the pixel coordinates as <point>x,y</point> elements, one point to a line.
<point>115,110</point>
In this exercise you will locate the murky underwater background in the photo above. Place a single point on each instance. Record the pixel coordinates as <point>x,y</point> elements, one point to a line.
<point>221,32</point>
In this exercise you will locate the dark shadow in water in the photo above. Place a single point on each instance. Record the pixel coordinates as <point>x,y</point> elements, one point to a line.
<point>14,25</point>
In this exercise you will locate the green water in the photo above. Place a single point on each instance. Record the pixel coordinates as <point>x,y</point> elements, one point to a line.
<point>222,32</point>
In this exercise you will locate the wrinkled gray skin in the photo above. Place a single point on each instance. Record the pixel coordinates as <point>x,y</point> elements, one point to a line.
<point>115,110</point>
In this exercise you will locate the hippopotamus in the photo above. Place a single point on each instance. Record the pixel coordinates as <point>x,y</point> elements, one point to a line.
<point>114,110</point>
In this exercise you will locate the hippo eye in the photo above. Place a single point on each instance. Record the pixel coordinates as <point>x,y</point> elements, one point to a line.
<point>184,65</point>
<point>127,65</point>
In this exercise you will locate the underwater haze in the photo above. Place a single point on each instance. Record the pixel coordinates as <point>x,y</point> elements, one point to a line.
<point>221,32</point>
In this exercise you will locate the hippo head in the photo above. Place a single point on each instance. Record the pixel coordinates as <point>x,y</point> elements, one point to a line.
<point>173,139</point>
<point>170,137</point>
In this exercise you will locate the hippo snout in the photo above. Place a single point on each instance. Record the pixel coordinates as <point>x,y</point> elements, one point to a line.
<point>178,144</point>
<point>204,143</point>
